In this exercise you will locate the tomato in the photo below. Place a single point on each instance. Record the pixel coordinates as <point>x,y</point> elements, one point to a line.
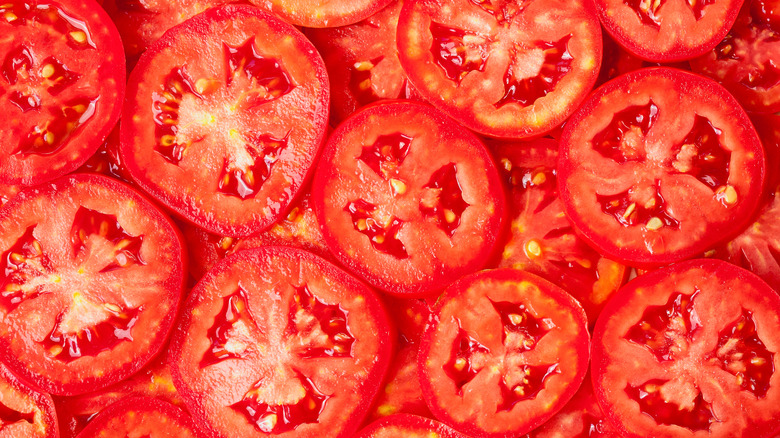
<point>7,192</point>
<point>407,199</point>
<point>401,392</point>
<point>659,165</point>
<point>24,412</point>
<point>542,239</point>
<point>106,159</point>
<point>90,283</point>
<point>323,13</point>
<point>407,426</point>
<point>504,352</point>
<point>410,316</point>
<point>747,61</point>
<point>689,350</point>
<point>484,63</point>
<point>225,116</point>
<point>667,31</point>
<point>618,61</point>
<point>143,417</point>
<point>63,81</point>
<point>279,341</point>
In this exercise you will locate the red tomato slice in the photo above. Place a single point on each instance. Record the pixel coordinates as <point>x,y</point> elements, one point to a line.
<point>142,417</point>
<point>485,64</point>
<point>505,351</point>
<point>225,117</point>
<point>63,81</point>
<point>279,341</point>
<point>90,278</point>
<point>401,392</point>
<point>659,165</point>
<point>24,412</point>
<point>323,13</point>
<point>747,61</point>
<point>618,61</point>
<point>407,426</point>
<point>690,350</point>
<point>542,239</point>
<point>407,199</point>
<point>106,160</point>
<point>7,192</point>
<point>668,30</point>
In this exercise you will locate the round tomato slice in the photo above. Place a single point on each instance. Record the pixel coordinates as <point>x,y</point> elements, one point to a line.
<point>225,116</point>
<point>407,198</point>
<point>91,275</point>
<point>504,352</point>
<point>323,13</point>
<point>690,351</point>
<point>503,68</point>
<point>668,30</point>
<point>142,417</point>
<point>279,341</point>
<point>24,412</point>
<point>659,165</point>
<point>63,81</point>
<point>747,61</point>
<point>542,240</point>
<point>407,426</point>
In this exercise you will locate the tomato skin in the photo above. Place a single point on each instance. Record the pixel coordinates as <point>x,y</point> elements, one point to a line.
<point>141,415</point>
<point>407,426</point>
<point>37,407</point>
<point>692,354</point>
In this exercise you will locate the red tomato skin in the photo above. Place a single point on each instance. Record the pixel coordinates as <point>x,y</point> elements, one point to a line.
<point>43,402</point>
<point>178,423</point>
<point>408,426</point>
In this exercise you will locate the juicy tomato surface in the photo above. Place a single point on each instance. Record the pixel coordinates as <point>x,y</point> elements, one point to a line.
<point>542,240</point>
<point>401,393</point>
<point>90,283</point>
<point>8,192</point>
<point>747,61</point>
<point>668,30</point>
<point>407,199</point>
<point>225,116</point>
<point>106,159</point>
<point>690,351</point>
<point>658,166</point>
<point>504,352</point>
<point>617,61</point>
<point>278,341</point>
<point>323,13</point>
<point>408,426</point>
<point>63,81</point>
<point>485,64</point>
<point>24,412</point>
<point>141,417</point>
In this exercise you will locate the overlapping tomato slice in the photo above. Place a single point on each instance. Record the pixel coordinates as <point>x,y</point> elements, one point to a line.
<point>323,13</point>
<point>24,411</point>
<point>408,426</point>
<point>141,417</point>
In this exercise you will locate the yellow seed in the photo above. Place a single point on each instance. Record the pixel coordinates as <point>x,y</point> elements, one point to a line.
<point>17,258</point>
<point>78,36</point>
<point>539,178</point>
<point>654,224</point>
<point>507,164</point>
<point>519,390</point>
<point>379,239</point>
<point>341,337</point>
<point>727,194</point>
<point>399,187</point>
<point>339,349</point>
<point>629,210</point>
<point>49,137</point>
<point>103,228</point>
<point>449,216</point>
<point>204,85</point>
<point>55,350</point>
<point>362,225</point>
<point>516,319</point>
<point>226,179</point>
<point>47,71</point>
<point>249,178</point>
<point>37,246</point>
<point>268,423</point>
<point>365,85</point>
<point>532,248</point>
<point>225,242</point>
<point>363,66</point>
<point>757,361</point>
<point>122,244</point>
<point>167,140</point>
<point>528,343</point>
<point>10,16</point>
<point>112,307</point>
<point>79,108</point>
<point>460,364</point>
<point>293,215</point>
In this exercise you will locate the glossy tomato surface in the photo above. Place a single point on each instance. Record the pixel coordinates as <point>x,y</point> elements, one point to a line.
<point>277,341</point>
<point>63,81</point>
<point>225,117</point>
<point>141,417</point>
<point>90,283</point>
<point>690,351</point>
<point>658,166</point>
<point>323,13</point>
<point>511,69</point>
<point>407,199</point>
<point>25,412</point>
<point>401,392</point>
<point>407,426</point>
<point>505,351</point>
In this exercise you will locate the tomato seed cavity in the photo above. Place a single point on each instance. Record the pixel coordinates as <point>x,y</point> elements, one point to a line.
<point>666,330</point>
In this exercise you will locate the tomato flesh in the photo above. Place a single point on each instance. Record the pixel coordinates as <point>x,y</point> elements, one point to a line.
<point>409,426</point>
<point>323,13</point>
<point>143,417</point>
<point>25,412</point>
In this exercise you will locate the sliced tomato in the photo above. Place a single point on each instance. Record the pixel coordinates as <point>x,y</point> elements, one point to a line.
<point>7,192</point>
<point>142,417</point>
<point>747,61</point>
<point>505,351</point>
<point>401,392</point>
<point>410,316</point>
<point>323,13</point>
<point>63,81</point>
<point>90,283</point>
<point>225,117</point>
<point>279,341</point>
<point>618,61</point>
<point>542,240</point>
<point>668,30</point>
<point>690,351</point>
<point>24,412</point>
<point>407,199</point>
<point>407,426</point>
<point>106,159</point>
<point>503,68</point>
<point>658,166</point>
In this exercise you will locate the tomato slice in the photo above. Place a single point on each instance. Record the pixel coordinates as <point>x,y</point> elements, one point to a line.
<point>8,192</point>
<point>690,350</point>
<point>106,160</point>
<point>747,61</point>
<point>407,199</point>
<point>24,412</point>
<point>225,117</point>
<point>63,81</point>
<point>401,393</point>
<point>279,341</point>
<point>90,283</point>
<point>618,61</point>
<point>484,64</point>
<point>668,30</point>
<point>658,166</point>
<point>323,13</point>
<point>542,239</point>
<point>505,351</point>
<point>142,417</point>
<point>407,426</point>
